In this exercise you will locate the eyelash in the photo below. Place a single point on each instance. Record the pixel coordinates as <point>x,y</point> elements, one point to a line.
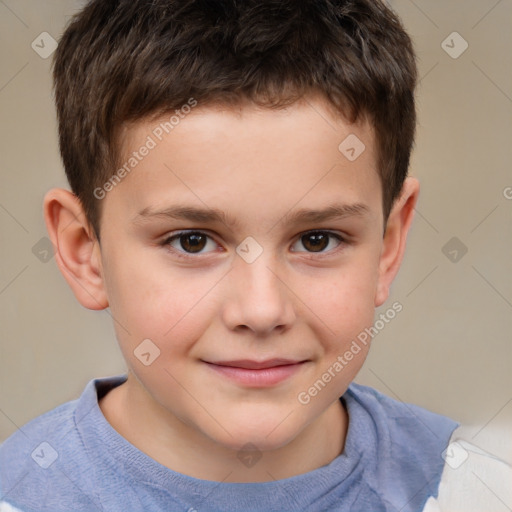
<point>190,256</point>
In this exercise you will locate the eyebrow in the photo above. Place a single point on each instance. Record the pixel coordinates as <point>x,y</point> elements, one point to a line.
<point>213,215</point>
<point>332,212</point>
<point>205,215</point>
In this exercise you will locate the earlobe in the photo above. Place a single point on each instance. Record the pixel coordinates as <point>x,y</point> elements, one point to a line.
<point>77,250</point>
<point>395,237</point>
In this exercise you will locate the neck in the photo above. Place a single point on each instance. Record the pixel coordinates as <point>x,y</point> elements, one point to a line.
<point>132,412</point>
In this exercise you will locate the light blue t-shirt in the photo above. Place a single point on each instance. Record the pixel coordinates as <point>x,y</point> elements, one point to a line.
<point>72,459</point>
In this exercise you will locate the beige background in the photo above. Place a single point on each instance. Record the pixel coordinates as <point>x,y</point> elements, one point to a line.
<point>449,349</point>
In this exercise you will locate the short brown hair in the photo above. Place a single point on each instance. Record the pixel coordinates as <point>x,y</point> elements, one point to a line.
<point>126,60</point>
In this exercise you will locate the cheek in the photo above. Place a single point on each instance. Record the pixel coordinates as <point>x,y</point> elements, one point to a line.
<point>150,300</point>
<point>343,299</point>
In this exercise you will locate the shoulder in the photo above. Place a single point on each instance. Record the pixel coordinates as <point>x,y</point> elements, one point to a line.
<point>37,460</point>
<point>399,417</point>
<point>30,451</point>
<point>404,466</point>
<point>21,447</point>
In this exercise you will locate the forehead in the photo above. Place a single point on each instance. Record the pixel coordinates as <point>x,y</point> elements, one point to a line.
<point>249,160</point>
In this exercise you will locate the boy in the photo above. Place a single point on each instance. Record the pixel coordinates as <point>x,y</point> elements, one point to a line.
<point>240,204</point>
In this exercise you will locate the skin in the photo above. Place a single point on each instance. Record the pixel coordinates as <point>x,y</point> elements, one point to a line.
<point>296,300</point>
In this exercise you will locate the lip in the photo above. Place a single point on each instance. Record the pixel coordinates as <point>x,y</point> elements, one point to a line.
<point>258,374</point>
<point>249,364</point>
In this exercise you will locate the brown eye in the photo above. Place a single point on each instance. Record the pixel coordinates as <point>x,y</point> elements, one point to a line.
<point>193,242</point>
<point>190,243</point>
<point>315,242</point>
<point>318,242</point>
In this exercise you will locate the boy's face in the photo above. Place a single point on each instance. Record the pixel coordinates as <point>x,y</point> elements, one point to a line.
<point>299,290</point>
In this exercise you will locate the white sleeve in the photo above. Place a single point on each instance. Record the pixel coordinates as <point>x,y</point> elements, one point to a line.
<point>473,480</point>
<point>5,507</point>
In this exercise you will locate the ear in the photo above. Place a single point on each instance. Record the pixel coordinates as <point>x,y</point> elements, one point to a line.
<point>77,251</point>
<point>393,247</point>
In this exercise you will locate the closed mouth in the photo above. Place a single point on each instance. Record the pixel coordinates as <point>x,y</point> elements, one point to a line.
<point>248,364</point>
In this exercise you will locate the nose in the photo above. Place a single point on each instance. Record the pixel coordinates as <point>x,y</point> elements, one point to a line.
<point>259,299</point>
